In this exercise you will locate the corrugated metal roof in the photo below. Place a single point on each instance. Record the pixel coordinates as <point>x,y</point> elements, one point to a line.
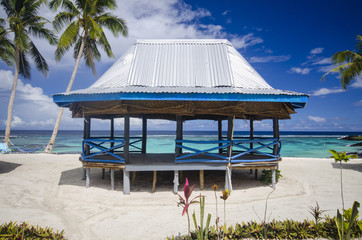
<point>181,66</point>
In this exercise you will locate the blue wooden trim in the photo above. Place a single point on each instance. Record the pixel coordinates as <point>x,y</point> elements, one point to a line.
<point>255,160</point>
<point>200,160</point>
<point>66,100</point>
<point>96,143</point>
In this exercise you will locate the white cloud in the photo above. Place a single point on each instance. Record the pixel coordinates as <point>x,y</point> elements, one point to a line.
<point>321,61</point>
<point>302,71</point>
<point>325,91</point>
<point>245,41</point>
<point>359,103</point>
<point>316,51</point>
<point>32,108</point>
<point>225,12</point>
<point>358,82</point>
<point>316,119</point>
<point>280,58</point>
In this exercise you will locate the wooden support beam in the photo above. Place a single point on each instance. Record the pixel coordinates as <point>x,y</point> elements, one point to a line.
<point>219,134</point>
<point>112,179</point>
<point>230,129</point>
<point>154,181</point>
<point>276,134</point>
<point>87,181</point>
<point>126,138</point>
<point>179,136</point>
<point>112,132</point>
<point>202,182</point>
<point>126,183</point>
<point>144,134</point>
<point>86,134</point>
<point>175,181</point>
<point>251,134</point>
<point>103,172</point>
<point>133,177</point>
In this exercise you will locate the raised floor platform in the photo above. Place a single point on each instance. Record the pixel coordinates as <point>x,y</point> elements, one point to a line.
<point>166,162</point>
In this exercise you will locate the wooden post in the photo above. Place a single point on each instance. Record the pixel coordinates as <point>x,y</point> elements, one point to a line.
<point>175,181</point>
<point>276,134</point>
<point>86,135</point>
<point>87,182</point>
<point>126,183</point>
<point>112,132</point>
<point>202,182</point>
<point>230,129</point>
<point>219,133</point>
<point>126,138</point>
<point>179,130</point>
<point>154,181</point>
<point>112,179</point>
<point>144,133</point>
<point>251,134</point>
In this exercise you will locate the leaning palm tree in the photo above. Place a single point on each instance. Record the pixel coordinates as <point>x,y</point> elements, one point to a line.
<point>22,22</point>
<point>349,64</point>
<point>84,20</point>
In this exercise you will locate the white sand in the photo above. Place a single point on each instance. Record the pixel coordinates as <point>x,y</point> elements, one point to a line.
<point>47,190</point>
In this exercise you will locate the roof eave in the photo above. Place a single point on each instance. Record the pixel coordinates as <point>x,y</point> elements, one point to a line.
<point>297,101</point>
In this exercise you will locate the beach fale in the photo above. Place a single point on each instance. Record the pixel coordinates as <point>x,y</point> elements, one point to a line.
<point>181,80</point>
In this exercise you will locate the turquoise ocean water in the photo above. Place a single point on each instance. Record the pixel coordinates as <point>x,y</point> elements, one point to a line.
<point>294,144</point>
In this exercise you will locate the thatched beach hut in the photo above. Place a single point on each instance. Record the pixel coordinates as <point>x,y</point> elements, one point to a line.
<point>181,80</point>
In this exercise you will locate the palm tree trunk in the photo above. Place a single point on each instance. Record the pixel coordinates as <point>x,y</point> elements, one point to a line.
<point>12,97</point>
<point>49,147</point>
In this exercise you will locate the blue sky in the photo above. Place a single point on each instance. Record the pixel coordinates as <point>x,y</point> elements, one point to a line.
<point>288,42</point>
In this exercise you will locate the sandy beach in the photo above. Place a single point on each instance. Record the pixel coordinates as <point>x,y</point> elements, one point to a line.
<point>47,190</point>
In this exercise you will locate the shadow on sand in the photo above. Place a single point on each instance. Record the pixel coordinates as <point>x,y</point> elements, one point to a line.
<point>6,167</point>
<point>350,166</point>
<point>241,179</point>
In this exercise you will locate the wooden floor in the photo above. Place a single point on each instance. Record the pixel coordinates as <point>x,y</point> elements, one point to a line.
<point>166,162</point>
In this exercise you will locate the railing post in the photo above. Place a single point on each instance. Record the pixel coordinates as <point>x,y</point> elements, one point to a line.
<point>230,129</point>
<point>112,133</point>
<point>144,134</point>
<point>179,129</point>
<point>219,133</point>
<point>276,134</point>
<point>86,134</point>
<point>126,138</point>
<point>251,135</point>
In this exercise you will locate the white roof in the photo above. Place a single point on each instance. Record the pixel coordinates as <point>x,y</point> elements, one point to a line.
<point>182,65</point>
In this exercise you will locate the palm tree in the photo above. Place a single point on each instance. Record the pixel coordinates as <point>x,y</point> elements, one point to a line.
<point>23,21</point>
<point>84,20</point>
<point>349,64</point>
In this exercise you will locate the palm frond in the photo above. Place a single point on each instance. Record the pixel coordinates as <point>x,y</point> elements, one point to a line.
<point>113,23</point>
<point>42,32</point>
<point>350,73</point>
<point>62,19</point>
<point>359,44</point>
<point>21,40</point>
<point>94,29</point>
<point>8,7</point>
<point>24,66</point>
<point>88,56</point>
<point>7,49</point>
<point>103,42</point>
<point>68,38</point>
<point>39,60</point>
<point>345,56</point>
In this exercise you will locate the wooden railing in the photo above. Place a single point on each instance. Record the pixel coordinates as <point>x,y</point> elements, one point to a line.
<point>243,150</point>
<point>103,149</point>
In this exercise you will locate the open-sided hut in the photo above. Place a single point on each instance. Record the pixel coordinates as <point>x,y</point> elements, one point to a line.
<point>181,80</point>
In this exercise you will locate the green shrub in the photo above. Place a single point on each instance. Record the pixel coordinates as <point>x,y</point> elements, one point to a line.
<point>15,231</point>
<point>266,176</point>
<point>288,229</point>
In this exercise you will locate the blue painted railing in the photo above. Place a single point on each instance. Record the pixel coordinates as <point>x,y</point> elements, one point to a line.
<point>241,150</point>
<point>103,150</point>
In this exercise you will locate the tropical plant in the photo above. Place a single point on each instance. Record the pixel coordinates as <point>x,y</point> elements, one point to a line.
<point>316,212</point>
<point>350,215</point>
<point>224,196</point>
<point>267,176</point>
<point>214,187</point>
<point>349,64</point>
<point>84,21</point>
<point>12,230</point>
<point>339,157</point>
<point>22,22</point>
<point>201,232</point>
<point>186,202</point>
